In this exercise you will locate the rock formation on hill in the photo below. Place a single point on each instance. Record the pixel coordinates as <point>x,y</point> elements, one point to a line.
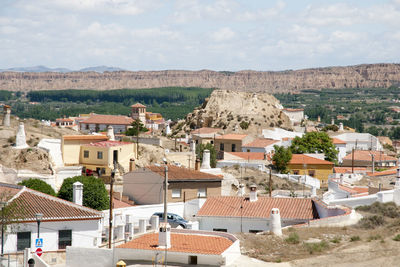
<point>360,76</point>
<point>234,110</point>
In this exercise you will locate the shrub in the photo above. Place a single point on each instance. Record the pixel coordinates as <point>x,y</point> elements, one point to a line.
<point>388,209</point>
<point>244,125</point>
<point>371,222</point>
<point>374,237</point>
<point>95,195</point>
<point>316,247</point>
<point>11,139</point>
<point>336,239</point>
<point>38,185</point>
<point>355,238</point>
<point>397,237</point>
<point>293,238</point>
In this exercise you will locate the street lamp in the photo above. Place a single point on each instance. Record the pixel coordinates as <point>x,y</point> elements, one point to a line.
<point>39,217</point>
<point>2,205</point>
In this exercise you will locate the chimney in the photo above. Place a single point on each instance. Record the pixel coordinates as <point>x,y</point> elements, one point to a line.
<point>20,142</point>
<point>110,133</point>
<point>276,227</point>
<point>7,115</point>
<point>242,190</point>
<point>77,194</point>
<point>253,193</point>
<point>313,191</point>
<point>341,129</point>
<point>164,235</point>
<point>131,165</point>
<point>333,121</point>
<point>192,146</point>
<point>197,165</point>
<point>206,160</point>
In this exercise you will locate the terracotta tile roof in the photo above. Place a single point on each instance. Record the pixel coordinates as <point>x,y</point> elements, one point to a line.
<point>366,155</point>
<point>25,203</point>
<point>120,204</point>
<point>85,137</point>
<point>348,169</point>
<point>229,206</point>
<point>337,141</point>
<point>64,119</point>
<point>303,159</point>
<point>181,174</point>
<point>206,130</point>
<point>249,155</point>
<point>108,119</point>
<point>293,109</point>
<point>231,137</point>
<point>189,243</point>
<point>138,105</point>
<point>261,142</point>
<point>108,144</point>
<point>383,173</point>
<point>354,190</point>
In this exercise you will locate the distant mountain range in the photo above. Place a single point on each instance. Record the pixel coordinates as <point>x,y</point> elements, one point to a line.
<point>99,69</point>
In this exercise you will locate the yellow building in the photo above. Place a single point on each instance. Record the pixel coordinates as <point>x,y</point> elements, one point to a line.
<point>301,164</point>
<point>71,146</point>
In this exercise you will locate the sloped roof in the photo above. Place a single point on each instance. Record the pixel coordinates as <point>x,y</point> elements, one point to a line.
<point>293,109</point>
<point>108,144</point>
<point>261,142</point>
<point>348,169</point>
<point>189,243</point>
<point>337,141</point>
<point>85,137</point>
<point>248,155</point>
<point>231,137</point>
<point>392,171</point>
<point>303,159</point>
<point>138,105</point>
<point>176,173</point>
<point>26,202</point>
<point>206,130</point>
<point>229,206</point>
<point>366,155</point>
<point>108,119</point>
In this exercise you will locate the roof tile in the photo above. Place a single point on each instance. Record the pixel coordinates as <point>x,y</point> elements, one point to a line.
<point>304,159</point>
<point>181,174</point>
<point>261,142</point>
<point>366,155</point>
<point>108,119</point>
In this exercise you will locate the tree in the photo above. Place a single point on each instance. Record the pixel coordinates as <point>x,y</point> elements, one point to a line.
<point>38,185</point>
<point>281,158</point>
<point>213,154</point>
<point>315,143</point>
<point>137,124</point>
<point>95,195</point>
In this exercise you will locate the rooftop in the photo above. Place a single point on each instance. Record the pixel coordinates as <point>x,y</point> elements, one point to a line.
<point>230,206</point>
<point>180,242</point>
<point>303,159</point>
<point>85,137</point>
<point>108,144</point>
<point>138,105</point>
<point>25,203</point>
<point>108,119</point>
<point>383,173</point>
<point>206,130</point>
<point>231,137</point>
<point>366,155</point>
<point>249,155</point>
<point>261,142</point>
<point>293,109</point>
<point>338,141</point>
<point>181,174</point>
<point>349,170</point>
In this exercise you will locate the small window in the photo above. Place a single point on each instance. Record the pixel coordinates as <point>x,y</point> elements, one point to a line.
<point>255,231</point>
<point>86,153</point>
<point>296,172</point>
<point>212,142</point>
<point>23,240</point>
<point>99,154</point>
<point>192,259</point>
<point>233,147</point>
<point>221,147</point>
<point>202,192</point>
<point>220,230</point>
<point>311,173</point>
<point>176,193</point>
<point>248,150</point>
<point>87,126</point>
<point>64,238</point>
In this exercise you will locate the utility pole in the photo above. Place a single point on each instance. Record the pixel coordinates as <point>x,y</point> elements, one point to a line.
<point>352,161</point>
<point>110,224</point>
<point>165,204</point>
<point>270,181</point>
<point>137,138</point>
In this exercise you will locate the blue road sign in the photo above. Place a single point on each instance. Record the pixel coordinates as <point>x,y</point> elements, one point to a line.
<point>39,242</point>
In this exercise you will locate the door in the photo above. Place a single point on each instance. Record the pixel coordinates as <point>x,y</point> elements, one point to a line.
<point>115,156</point>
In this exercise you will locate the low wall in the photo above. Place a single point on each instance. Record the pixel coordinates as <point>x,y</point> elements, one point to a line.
<point>244,164</point>
<point>146,140</point>
<point>80,257</point>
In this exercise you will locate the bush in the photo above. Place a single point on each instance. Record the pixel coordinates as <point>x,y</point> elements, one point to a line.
<point>244,125</point>
<point>374,237</point>
<point>38,185</point>
<point>355,238</point>
<point>397,237</point>
<point>293,238</point>
<point>371,222</point>
<point>388,209</point>
<point>336,239</point>
<point>316,247</point>
<point>95,195</point>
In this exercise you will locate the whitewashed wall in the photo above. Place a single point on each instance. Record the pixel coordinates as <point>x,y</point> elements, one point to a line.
<point>82,257</point>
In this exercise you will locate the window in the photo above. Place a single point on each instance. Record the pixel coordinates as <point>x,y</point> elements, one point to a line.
<point>248,150</point>
<point>296,172</point>
<point>99,154</point>
<point>87,126</point>
<point>176,193</point>
<point>220,230</point>
<point>311,173</point>
<point>212,142</point>
<point>202,192</point>
<point>85,153</point>
<point>192,259</point>
<point>64,238</point>
<point>233,147</point>
<point>23,240</point>
<point>221,147</point>
<point>255,231</point>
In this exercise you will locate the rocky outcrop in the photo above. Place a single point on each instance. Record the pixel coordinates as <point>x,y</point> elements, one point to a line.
<point>235,111</point>
<point>360,76</point>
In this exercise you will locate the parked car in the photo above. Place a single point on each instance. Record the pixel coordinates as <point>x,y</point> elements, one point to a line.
<point>173,219</point>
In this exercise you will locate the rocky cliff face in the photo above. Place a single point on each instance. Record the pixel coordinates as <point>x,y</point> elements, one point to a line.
<point>360,76</point>
<point>236,111</point>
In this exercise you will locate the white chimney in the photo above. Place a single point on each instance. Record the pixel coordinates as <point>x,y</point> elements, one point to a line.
<point>341,127</point>
<point>110,133</point>
<point>206,160</point>
<point>155,222</point>
<point>20,142</point>
<point>77,193</point>
<point>164,235</point>
<point>242,190</point>
<point>192,146</point>
<point>6,116</point>
<point>276,227</point>
<point>313,191</point>
<point>253,193</point>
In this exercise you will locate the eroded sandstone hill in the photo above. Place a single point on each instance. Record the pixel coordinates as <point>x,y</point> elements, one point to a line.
<point>360,76</point>
<point>235,111</point>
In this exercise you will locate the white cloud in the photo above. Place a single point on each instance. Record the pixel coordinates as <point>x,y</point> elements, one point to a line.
<point>223,34</point>
<point>333,15</point>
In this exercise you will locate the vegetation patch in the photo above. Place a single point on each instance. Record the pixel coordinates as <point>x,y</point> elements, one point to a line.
<point>371,222</point>
<point>293,238</point>
<point>316,247</point>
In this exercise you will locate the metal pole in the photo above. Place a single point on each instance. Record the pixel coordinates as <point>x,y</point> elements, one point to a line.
<point>38,228</point>
<point>2,233</point>
<point>111,209</point>
<point>137,139</point>
<point>270,181</point>
<point>165,193</point>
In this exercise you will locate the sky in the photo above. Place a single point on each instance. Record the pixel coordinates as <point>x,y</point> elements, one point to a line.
<point>218,35</point>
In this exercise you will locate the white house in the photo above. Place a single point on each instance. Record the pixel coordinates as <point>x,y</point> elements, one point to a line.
<point>360,141</point>
<point>340,147</point>
<point>280,134</point>
<point>97,123</point>
<point>261,145</point>
<point>296,115</point>
<point>62,223</point>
